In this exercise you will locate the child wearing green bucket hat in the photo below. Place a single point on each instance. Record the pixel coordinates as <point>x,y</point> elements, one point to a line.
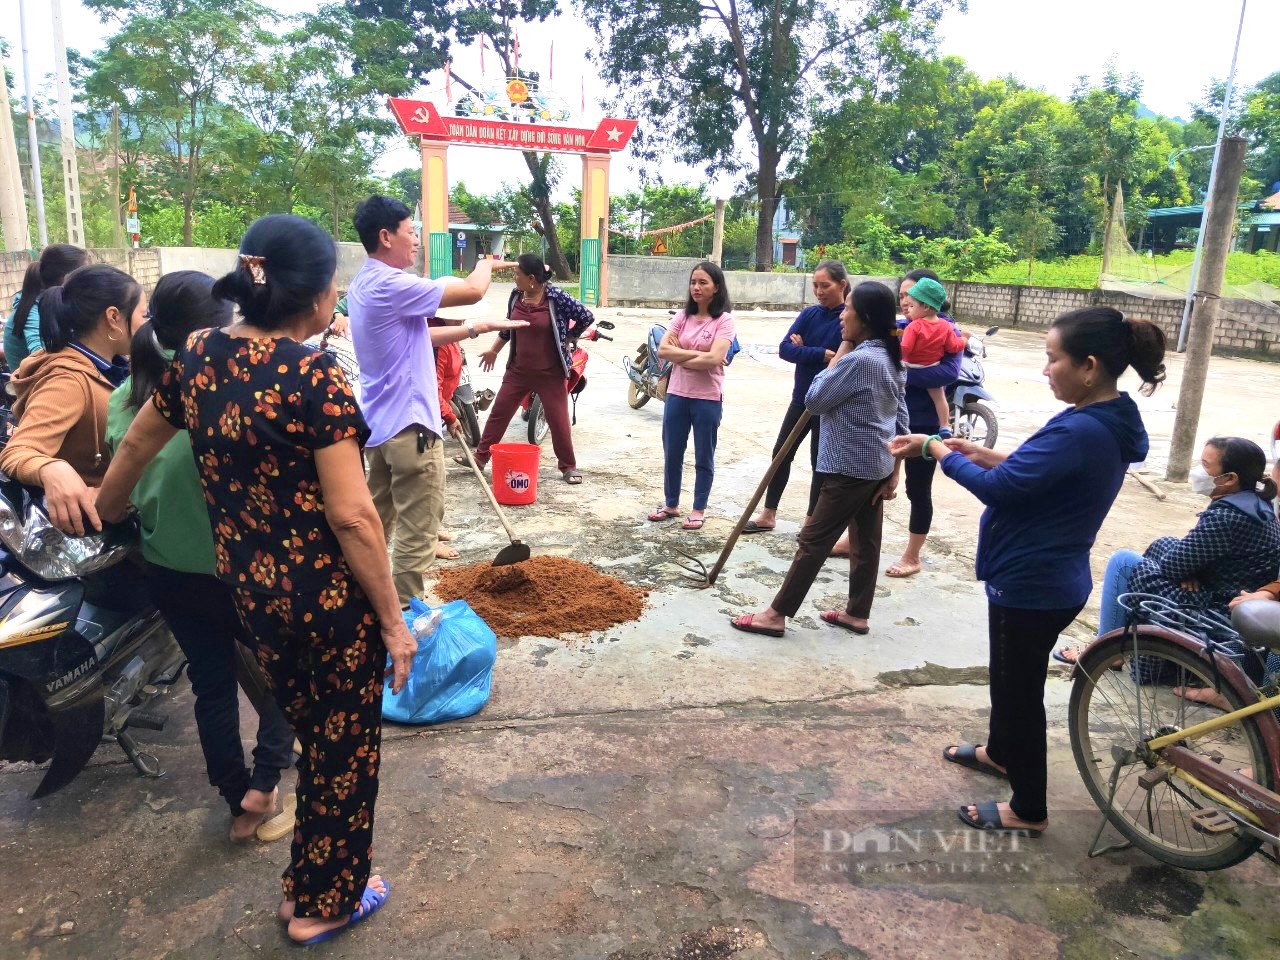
<point>928,338</point>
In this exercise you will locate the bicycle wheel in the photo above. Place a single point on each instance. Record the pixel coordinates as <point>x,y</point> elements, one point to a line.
<point>1109,709</point>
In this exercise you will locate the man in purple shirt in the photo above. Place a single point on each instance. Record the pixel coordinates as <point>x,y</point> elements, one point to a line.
<point>389,310</point>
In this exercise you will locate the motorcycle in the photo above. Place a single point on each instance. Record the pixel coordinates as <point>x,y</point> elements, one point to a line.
<point>648,375</point>
<point>83,653</point>
<point>531,405</point>
<point>466,403</point>
<point>971,419</point>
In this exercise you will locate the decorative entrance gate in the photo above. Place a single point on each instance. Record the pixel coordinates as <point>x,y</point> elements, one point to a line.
<point>528,132</point>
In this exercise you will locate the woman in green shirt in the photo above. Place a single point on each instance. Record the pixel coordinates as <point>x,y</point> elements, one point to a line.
<point>22,331</point>
<point>177,544</point>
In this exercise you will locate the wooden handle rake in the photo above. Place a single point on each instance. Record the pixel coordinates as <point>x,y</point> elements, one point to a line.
<point>696,570</point>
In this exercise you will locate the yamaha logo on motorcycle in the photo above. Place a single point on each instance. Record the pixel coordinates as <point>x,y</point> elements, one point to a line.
<point>82,650</point>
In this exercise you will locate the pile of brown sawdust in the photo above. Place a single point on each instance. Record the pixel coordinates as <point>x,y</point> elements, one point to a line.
<point>542,597</point>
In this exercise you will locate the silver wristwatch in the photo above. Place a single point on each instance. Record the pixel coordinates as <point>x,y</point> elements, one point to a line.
<point>471,329</point>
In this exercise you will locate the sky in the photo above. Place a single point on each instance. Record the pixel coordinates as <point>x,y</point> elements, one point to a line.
<point>1175,46</point>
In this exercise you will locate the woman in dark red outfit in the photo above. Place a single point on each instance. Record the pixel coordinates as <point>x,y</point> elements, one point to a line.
<point>539,360</point>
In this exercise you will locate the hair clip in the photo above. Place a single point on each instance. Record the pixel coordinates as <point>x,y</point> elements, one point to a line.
<point>255,267</point>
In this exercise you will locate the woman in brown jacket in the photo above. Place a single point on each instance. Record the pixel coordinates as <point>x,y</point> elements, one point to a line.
<point>62,390</point>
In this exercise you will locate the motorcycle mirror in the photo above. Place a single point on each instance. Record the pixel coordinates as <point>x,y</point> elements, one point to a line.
<point>991,331</point>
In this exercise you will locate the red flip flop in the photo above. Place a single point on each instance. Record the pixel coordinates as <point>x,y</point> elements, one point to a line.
<point>746,623</point>
<point>833,617</point>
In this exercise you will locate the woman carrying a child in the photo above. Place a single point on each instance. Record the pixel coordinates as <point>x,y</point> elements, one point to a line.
<point>925,419</point>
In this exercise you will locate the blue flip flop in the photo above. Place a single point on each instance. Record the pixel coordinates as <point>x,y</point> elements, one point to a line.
<point>370,903</point>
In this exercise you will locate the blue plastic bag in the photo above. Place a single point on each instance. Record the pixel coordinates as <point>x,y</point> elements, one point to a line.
<point>452,670</point>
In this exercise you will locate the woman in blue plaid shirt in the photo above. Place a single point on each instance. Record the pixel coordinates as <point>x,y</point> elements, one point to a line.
<point>860,398</point>
<point>1234,547</point>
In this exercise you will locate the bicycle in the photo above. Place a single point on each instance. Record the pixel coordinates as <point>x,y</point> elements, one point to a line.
<point>1189,785</point>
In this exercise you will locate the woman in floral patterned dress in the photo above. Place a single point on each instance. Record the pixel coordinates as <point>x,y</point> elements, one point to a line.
<point>276,433</point>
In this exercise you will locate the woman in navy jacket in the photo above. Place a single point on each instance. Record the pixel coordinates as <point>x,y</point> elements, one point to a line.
<point>810,344</point>
<point>1045,502</point>
<point>923,416</point>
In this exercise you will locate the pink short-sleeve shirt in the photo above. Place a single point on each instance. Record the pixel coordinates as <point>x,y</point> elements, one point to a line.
<point>693,334</point>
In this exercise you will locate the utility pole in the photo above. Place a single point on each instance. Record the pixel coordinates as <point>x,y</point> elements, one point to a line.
<point>13,206</point>
<point>1193,280</point>
<point>70,169</point>
<point>115,177</point>
<point>717,236</point>
<point>33,143</point>
<point>1220,213</point>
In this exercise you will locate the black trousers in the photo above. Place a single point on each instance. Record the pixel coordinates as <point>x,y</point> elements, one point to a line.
<point>1021,641</point>
<point>920,485</point>
<point>773,496</point>
<point>202,614</point>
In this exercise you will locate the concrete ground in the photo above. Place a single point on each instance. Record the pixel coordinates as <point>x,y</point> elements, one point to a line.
<point>672,788</point>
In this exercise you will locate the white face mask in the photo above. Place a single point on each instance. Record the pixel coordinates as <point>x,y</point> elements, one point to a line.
<point>1201,482</point>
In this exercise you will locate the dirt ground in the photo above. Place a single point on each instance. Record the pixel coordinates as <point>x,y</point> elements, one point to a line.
<point>671,788</point>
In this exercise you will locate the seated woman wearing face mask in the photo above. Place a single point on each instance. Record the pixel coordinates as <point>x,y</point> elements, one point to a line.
<point>1233,548</point>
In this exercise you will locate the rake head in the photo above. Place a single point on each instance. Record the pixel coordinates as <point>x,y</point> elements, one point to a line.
<point>695,570</point>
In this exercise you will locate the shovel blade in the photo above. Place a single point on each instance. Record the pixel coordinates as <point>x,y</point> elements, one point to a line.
<point>517,552</point>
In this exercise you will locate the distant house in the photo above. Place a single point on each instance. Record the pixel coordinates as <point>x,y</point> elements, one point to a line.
<point>471,241</point>
<point>1259,226</point>
<point>786,235</point>
<point>1264,228</point>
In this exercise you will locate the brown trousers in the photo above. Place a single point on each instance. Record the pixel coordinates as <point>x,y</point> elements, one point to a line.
<point>844,503</point>
<point>407,486</point>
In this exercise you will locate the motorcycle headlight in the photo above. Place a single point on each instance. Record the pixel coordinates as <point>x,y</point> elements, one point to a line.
<point>10,527</point>
<point>52,555</point>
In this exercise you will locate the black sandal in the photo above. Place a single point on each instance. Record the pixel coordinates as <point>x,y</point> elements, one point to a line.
<point>989,818</point>
<point>966,755</point>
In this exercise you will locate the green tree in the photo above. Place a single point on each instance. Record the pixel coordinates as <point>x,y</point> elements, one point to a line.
<point>437,25</point>
<point>1114,145</point>
<point>173,62</point>
<point>1260,123</point>
<point>308,112</point>
<point>656,206</point>
<point>906,132</point>
<point>406,184</point>
<point>699,71</point>
<point>1012,170</point>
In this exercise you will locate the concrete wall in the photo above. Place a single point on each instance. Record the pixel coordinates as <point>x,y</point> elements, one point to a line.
<point>143,265</point>
<point>148,265</point>
<point>664,282</point>
<point>1243,326</point>
<point>216,262</point>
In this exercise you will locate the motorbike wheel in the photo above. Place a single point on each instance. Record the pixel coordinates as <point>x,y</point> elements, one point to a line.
<point>466,415</point>
<point>636,398</point>
<point>977,422</point>
<point>538,426</point>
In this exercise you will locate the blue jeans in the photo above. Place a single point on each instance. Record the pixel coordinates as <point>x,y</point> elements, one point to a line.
<point>1114,583</point>
<point>680,415</point>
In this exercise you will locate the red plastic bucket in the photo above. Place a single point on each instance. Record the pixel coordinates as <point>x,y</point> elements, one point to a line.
<point>515,473</point>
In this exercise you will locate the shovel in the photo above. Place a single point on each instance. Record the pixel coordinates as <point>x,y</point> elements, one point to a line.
<point>517,552</point>
<point>697,570</point>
